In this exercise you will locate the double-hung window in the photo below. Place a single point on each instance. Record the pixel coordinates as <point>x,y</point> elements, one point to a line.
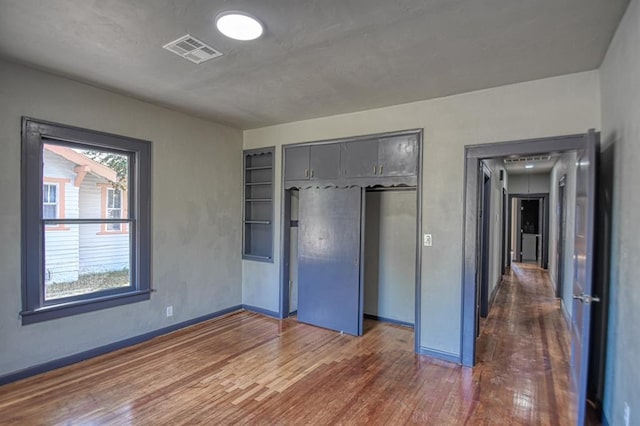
<point>114,207</point>
<point>96,187</point>
<point>49,201</point>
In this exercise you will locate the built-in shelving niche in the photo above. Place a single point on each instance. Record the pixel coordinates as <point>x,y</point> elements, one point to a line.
<point>257,241</point>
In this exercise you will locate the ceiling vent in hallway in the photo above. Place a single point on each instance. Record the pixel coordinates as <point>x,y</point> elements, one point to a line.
<point>529,159</point>
<point>192,49</point>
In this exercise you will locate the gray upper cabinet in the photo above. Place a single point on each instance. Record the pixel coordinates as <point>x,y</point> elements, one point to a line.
<point>315,162</point>
<point>324,162</point>
<point>360,158</point>
<point>296,163</point>
<point>360,162</point>
<point>398,156</point>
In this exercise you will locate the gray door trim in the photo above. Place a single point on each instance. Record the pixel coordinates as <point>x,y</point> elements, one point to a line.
<point>284,251</point>
<point>560,237</point>
<point>472,156</point>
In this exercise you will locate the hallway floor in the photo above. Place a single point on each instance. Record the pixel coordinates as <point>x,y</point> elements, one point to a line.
<point>524,346</point>
<point>245,368</point>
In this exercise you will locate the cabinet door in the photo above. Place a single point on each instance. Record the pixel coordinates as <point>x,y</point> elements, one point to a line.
<point>360,158</point>
<point>324,161</point>
<point>398,156</point>
<point>296,163</point>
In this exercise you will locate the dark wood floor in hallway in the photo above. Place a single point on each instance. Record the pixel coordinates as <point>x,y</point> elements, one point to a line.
<point>248,369</point>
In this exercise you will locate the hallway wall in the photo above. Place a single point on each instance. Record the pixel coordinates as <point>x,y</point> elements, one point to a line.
<point>621,140</point>
<point>495,244</point>
<point>566,165</point>
<point>555,106</point>
<point>529,183</point>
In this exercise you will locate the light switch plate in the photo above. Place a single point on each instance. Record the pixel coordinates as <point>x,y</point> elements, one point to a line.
<point>428,240</point>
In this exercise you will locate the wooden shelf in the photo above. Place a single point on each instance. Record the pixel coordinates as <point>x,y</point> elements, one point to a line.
<point>258,168</point>
<point>258,200</point>
<point>258,222</point>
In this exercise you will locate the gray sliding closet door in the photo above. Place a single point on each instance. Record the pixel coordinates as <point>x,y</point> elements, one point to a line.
<point>329,258</point>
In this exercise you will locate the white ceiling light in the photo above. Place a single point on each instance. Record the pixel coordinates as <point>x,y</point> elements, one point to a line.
<point>529,166</point>
<point>239,25</point>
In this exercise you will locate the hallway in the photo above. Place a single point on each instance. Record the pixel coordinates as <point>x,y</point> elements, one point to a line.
<point>524,348</point>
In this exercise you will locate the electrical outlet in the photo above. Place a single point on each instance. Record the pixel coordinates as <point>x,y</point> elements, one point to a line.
<point>627,414</point>
<point>169,311</point>
<point>428,240</point>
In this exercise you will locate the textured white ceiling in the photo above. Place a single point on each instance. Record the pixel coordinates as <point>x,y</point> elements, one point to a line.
<point>317,57</point>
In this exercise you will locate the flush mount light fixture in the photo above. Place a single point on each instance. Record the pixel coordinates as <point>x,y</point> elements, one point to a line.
<point>239,25</point>
<point>529,166</point>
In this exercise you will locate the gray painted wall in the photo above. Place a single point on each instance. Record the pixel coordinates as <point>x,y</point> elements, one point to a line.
<point>390,254</point>
<point>621,134</point>
<point>555,106</point>
<point>196,221</point>
<point>529,183</point>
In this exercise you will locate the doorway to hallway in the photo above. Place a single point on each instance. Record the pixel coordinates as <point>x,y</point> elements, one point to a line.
<point>578,154</point>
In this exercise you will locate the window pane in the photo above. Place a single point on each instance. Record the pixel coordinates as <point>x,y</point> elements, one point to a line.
<point>117,200</point>
<point>90,180</point>
<point>49,194</point>
<point>49,211</point>
<point>82,260</point>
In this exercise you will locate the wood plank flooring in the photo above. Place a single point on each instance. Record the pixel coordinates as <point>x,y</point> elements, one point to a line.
<point>248,369</point>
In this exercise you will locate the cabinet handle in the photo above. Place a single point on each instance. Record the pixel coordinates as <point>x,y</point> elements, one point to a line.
<point>311,172</point>
<point>374,170</point>
<point>381,169</point>
<point>306,172</point>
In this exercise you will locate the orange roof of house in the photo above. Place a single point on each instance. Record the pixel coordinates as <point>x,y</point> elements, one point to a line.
<point>82,160</point>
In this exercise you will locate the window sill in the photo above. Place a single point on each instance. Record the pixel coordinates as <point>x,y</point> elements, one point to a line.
<point>57,228</point>
<point>82,306</point>
<point>112,232</point>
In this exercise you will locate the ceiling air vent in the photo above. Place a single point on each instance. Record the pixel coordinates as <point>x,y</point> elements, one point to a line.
<point>192,49</point>
<point>527,159</point>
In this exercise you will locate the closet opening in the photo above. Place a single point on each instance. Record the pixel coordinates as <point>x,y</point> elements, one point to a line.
<point>389,255</point>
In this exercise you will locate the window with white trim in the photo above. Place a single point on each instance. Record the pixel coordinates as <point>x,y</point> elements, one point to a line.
<point>114,208</point>
<point>108,188</point>
<point>49,201</point>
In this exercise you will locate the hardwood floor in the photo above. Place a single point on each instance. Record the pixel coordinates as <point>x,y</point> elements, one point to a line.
<point>248,369</point>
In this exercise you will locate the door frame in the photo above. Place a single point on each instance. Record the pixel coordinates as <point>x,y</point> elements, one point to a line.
<point>561,214</point>
<point>544,199</point>
<point>473,154</point>
<point>504,231</point>
<point>484,241</point>
<point>285,219</point>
